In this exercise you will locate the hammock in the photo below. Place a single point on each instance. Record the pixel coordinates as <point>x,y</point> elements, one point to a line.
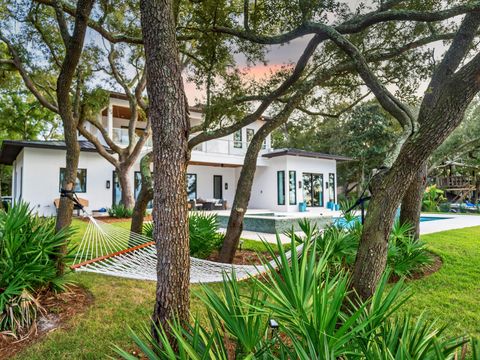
<point>115,251</point>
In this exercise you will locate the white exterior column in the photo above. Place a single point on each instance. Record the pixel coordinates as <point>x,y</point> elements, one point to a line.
<point>110,120</point>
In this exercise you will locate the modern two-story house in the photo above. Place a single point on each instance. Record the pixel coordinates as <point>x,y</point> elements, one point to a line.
<point>283,179</point>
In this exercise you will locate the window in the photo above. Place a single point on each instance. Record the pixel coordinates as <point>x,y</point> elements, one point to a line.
<point>292,188</point>
<point>137,181</point>
<point>313,189</point>
<point>237,139</point>
<point>192,186</point>
<point>281,187</point>
<point>331,187</point>
<point>80,183</point>
<point>250,134</point>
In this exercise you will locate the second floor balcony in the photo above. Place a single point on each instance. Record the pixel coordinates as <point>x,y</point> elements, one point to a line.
<point>120,137</point>
<point>226,147</point>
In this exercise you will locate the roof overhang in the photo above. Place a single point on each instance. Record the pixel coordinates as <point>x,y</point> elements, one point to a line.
<point>303,153</point>
<point>11,148</point>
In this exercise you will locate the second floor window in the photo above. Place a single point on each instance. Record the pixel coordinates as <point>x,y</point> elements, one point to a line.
<point>250,134</point>
<point>80,183</point>
<point>237,139</point>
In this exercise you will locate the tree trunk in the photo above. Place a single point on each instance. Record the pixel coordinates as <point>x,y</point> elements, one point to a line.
<point>244,185</point>
<point>65,208</point>
<point>240,202</point>
<point>128,199</point>
<point>411,207</point>
<point>168,112</point>
<point>145,195</point>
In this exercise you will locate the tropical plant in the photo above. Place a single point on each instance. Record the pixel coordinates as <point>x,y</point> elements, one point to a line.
<point>203,230</point>
<point>299,309</point>
<point>405,253</point>
<point>120,211</point>
<point>432,198</point>
<point>29,249</point>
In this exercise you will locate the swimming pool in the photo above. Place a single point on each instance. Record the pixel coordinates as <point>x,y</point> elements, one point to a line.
<point>341,221</point>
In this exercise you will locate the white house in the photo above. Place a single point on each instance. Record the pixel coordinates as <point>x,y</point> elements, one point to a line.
<point>283,179</point>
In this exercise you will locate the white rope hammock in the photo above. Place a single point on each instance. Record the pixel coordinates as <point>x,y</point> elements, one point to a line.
<point>111,250</point>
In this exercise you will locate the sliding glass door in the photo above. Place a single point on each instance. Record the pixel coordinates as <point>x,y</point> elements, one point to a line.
<point>313,189</point>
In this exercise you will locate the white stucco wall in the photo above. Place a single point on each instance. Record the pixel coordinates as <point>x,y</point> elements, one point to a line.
<point>264,190</point>
<point>205,181</point>
<point>42,175</point>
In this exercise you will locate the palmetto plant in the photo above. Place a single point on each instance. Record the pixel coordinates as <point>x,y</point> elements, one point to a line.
<point>28,251</point>
<point>315,316</point>
<point>203,230</point>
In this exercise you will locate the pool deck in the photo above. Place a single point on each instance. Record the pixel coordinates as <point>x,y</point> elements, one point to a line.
<point>451,222</point>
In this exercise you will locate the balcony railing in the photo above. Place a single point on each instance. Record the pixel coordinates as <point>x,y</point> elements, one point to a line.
<point>453,182</point>
<point>120,137</point>
<point>224,146</point>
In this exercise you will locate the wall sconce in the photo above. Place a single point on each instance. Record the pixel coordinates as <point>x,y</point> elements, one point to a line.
<point>107,184</point>
<point>299,184</point>
<point>226,186</point>
<point>326,184</point>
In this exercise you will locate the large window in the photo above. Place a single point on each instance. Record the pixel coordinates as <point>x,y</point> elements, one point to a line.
<point>331,187</point>
<point>192,186</point>
<point>80,183</point>
<point>292,189</point>
<point>250,134</point>
<point>281,187</point>
<point>313,189</point>
<point>237,139</point>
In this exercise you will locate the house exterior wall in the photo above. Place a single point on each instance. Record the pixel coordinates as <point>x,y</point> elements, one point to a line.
<point>264,189</point>
<point>42,179</point>
<point>205,181</point>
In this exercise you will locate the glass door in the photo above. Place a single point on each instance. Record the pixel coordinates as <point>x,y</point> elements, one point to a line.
<point>313,189</point>
<point>217,187</point>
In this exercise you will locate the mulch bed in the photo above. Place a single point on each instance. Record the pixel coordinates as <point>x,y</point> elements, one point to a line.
<point>243,257</point>
<point>59,309</point>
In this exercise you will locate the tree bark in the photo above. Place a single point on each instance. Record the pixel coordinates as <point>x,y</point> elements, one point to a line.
<point>168,113</point>
<point>127,199</point>
<point>145,195</point>
<point>411,207</point>
<point>450,91</point>
<point>74,47</point>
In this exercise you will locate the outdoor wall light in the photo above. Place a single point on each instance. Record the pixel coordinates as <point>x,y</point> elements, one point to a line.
<point>226,186</point>
<point>299,184</point>
<point>107,184</point>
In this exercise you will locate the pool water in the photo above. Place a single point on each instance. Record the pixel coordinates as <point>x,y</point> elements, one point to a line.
<point>432,218</point>
<point>341,221</point>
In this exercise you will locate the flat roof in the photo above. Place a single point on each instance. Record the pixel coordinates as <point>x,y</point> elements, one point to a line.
<point>304,153</point>
<point>11,148</point>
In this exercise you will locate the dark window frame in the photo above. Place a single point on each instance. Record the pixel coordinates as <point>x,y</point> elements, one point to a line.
<point>238,143</point>
<point>282,188</point>
<point>60,181</point>
<point>331,185</point>
<point>252,132</point>
<point>294,188</point>
<point>221,186</point>
<point>196,185</point>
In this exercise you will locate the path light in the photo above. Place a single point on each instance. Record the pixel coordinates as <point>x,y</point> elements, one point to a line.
<point>273,324</point>
<point>240,244</point>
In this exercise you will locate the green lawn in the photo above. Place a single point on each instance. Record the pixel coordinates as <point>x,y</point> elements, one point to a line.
<point>452,295</point>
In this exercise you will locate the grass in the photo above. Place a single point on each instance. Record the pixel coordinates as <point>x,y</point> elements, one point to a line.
<point>451,295</point>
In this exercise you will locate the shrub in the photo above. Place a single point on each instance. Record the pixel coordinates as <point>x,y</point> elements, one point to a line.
<point>203,230</point>
<point>120,211</point>
<point>432,197</point>
<point>28,251</point>
<point>307,301</point>
<point>405,253</point>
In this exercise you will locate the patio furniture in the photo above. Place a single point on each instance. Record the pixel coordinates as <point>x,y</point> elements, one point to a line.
<point>215,204</point>
<point>194,205</point>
